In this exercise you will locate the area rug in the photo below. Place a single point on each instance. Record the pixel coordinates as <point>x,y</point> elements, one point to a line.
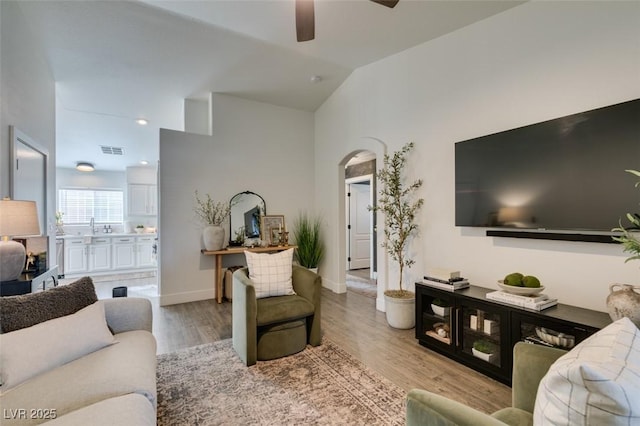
<point>209,385</point>
<point>361,286</point>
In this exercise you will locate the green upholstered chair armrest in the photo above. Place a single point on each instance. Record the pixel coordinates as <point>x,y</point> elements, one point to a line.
<point>426,408</point>
<point>244,311</point>
<point>128,314</point>
<point>530,364</point>
<point>308,284</point>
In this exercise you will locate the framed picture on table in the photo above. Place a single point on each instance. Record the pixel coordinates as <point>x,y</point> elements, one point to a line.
<point>270,227</point>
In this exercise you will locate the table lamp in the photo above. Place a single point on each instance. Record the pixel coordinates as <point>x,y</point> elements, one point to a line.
<point>17,218</point>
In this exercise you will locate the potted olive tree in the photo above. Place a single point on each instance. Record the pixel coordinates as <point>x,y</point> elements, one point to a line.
<point>396,202</point>
<point>307,236</point>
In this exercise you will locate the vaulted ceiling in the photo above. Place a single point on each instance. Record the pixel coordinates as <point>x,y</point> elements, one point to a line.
<point>115,61</point>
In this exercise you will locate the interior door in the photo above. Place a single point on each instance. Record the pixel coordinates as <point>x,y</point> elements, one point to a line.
<point>359,228</point>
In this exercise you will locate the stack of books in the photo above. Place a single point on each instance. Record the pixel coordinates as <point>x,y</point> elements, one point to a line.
<point>446,280</point>
<point>536,302</point>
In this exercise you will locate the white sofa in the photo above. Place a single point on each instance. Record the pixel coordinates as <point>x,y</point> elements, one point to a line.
<point>115,385</point>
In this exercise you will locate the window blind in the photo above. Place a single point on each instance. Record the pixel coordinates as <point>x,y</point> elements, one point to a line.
<point>80,205</point>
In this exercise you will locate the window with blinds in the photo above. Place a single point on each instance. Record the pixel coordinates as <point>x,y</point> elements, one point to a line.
<point>80,205</point>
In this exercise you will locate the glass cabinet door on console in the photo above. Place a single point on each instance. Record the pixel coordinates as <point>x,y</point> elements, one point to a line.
<point>434,322</point>
<point>545,332</point>
<point>483,336</point>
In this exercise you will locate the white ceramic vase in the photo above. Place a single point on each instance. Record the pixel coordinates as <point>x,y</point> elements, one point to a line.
<point>401,313</point>
<point>213,237</point>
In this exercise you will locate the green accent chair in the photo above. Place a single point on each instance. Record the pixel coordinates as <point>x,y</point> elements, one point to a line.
<point>530,364</point>
<point>274,327</point>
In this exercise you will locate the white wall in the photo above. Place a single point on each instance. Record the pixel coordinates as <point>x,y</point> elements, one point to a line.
<point>255,146</point>
<point>28,100</point>
<point>534,62</point>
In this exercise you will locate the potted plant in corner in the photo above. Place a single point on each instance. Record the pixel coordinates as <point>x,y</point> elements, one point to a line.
<point>399,209</point>
<point>212,214</point>
<point>625,301</point>
<point>306,233</point>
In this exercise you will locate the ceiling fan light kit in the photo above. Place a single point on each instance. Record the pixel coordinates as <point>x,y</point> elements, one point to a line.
<point>305,17</point>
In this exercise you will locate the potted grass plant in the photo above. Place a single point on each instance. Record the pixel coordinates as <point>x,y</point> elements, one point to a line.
<point>484,350</point>
<point>398,205</point>
<point>308,238</point>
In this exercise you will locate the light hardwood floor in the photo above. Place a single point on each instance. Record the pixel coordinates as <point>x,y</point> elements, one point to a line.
<point>351,321</point>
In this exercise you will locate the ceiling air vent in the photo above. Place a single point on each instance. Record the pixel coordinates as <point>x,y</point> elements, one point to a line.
<point>112,150</point>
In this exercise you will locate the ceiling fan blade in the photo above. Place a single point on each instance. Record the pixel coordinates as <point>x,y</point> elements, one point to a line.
<point>388,3</point>
<point>305,20</point>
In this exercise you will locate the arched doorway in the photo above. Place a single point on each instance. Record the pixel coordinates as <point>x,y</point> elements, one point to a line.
<point>370,149</point>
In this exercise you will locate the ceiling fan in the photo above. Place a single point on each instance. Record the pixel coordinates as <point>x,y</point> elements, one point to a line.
<point>305,17</point>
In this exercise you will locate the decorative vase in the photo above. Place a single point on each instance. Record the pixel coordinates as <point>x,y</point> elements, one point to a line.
<point>624,302</point>
<point>401,313</point>
<point>213,237</point>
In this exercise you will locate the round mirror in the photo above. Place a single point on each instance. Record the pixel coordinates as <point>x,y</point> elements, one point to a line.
<point>246,209</point>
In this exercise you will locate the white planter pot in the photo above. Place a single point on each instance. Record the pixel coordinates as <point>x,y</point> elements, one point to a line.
<point>483,356</point>
<point>213,237</point>
<point>314,270</point>
<point>401,313</point>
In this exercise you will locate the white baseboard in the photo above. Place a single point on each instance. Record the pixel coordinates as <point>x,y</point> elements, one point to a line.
<point>380,306</point>
<point>190,296</point>
<point>333,286</point>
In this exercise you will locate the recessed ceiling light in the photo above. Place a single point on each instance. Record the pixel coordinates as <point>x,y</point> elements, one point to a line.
<point>315,79</point>
<point>144,162</point>
<point>142,121</point>
<point>84,166</point>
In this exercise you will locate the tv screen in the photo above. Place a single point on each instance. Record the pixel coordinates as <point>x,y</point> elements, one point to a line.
<point>562,174</point>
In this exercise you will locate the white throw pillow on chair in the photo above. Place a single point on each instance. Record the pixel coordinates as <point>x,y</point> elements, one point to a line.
<point>271,273</point>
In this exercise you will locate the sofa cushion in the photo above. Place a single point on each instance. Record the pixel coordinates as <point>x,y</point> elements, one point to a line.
<point>131,409</point>
<point>116,370</point>
<point>31,351</point>
<point>271,273</point>
<point>17,312</point>
<point>596,383</point>
<point>273,310</point>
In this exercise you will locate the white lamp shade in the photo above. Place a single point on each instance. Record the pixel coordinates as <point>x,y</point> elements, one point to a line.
<point>18,218</point>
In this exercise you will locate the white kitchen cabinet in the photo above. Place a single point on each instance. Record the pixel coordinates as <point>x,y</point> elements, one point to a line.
<point>124,253</point>
<point>145,252</point>
<point>142,200</point>
<point>75,256</point>
<point>100,254</point>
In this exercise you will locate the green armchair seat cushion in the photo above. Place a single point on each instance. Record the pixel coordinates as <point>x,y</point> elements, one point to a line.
<point>272,310</point>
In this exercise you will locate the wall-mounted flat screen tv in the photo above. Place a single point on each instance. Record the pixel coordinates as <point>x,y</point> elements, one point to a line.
<point>562,174</point>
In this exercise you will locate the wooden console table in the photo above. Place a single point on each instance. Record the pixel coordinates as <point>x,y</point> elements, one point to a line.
<point>235,250</point>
